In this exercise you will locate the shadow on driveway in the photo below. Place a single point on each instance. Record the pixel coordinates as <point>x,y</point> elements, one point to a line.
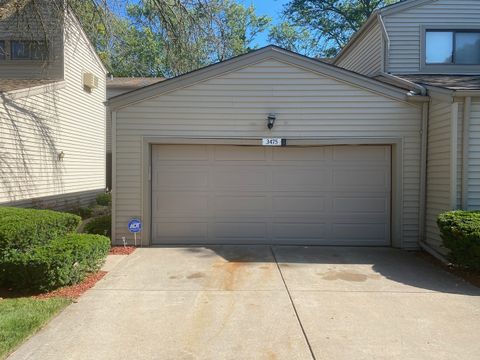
<point>346,268</point>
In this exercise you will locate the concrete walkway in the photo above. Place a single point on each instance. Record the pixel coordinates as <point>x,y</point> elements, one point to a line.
<point>261,302</point>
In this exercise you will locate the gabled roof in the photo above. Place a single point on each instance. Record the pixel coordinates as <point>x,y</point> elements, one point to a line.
<point>268,52</point>
<point>385,11</point>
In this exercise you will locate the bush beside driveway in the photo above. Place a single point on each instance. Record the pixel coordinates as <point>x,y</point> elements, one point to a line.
<point>40,251</point>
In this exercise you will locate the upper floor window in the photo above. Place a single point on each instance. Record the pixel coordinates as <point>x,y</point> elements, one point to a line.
<point>3,54</point>
<point>28,50</point>
<point>451,47</point>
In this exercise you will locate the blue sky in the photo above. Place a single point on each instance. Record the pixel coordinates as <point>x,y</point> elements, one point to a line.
<point>272,8</point>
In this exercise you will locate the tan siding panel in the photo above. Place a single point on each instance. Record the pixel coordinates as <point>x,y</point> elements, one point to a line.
<point>474,157</point>
<point>365,55</point>
<point>438,169</point>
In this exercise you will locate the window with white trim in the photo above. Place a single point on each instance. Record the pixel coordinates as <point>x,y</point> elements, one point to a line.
<point>452,47</point>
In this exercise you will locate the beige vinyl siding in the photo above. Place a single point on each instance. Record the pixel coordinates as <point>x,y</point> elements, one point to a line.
<point>235,105</point>
<point>404,29</point>
<point>34,129</point>
<point>366,53</point>
<point>111,92</point>
<point>438,168</point>
<point>474,157</point>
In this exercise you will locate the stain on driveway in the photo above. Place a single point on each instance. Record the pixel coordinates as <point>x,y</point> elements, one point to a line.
<point>261,302</point>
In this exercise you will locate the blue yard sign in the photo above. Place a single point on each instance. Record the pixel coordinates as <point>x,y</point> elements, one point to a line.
<point>135,226</point>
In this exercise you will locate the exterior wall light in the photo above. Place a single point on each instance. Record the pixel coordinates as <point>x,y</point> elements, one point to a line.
<point>271,121</point>
<point>60,156</point>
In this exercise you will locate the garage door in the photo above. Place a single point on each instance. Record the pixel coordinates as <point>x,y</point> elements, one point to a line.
<point>326,195</point>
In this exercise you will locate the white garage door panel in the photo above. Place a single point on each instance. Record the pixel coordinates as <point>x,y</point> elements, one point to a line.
<point>332,195</point>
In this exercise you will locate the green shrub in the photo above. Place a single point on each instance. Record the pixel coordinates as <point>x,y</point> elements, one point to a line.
<point>62,262</point>
<point>104,199</point>
<point>460,231</point>
<point>83,212</point>
<point>24,229</point>
<point>101,225</point>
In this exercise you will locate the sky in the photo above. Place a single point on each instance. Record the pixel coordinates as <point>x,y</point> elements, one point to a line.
<point>271,8</point>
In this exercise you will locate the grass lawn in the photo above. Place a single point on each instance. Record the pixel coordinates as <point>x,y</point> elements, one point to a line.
<point>20,318</point>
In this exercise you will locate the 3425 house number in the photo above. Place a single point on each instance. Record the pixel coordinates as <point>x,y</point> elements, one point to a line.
<point>273,142</point>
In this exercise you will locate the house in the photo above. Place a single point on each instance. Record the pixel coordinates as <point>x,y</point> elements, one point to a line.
<point>117,86</point>
<point>277,148</point>
<point>52,112</point>
<point>432,47</point>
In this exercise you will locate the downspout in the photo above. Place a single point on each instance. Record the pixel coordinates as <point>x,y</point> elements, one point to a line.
<point>467,108</point>
<point>453,156</point>
<point>423,173</point>
<point>386,50</point>
<point>114,176</point>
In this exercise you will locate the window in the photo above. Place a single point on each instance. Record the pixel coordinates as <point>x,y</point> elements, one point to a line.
<point>2,50</point>
<point>28,50</point>
<point>449,47</point>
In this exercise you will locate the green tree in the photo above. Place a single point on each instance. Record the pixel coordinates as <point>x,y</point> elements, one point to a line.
<point>332,22</point>
<point>194,33</point>
<point>236,30</point>
<point>294,38</point>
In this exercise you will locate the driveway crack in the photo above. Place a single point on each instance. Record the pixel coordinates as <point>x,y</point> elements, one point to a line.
<point>293,305</point>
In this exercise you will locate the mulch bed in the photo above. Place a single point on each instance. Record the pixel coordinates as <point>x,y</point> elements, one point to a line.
<point>74,291</point>
<point>122,250</point>
<point>71,292</point>
<point>471,277</point>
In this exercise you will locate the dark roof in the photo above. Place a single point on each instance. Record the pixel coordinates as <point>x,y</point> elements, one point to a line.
<point>132,82</point>
<point>7,85</point>
<point>451,82</point>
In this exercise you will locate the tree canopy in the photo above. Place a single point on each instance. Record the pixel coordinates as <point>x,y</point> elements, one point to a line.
<point>331,23</point>
<point>172,37</point>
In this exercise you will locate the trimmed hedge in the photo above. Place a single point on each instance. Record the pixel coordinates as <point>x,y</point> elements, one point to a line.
<point>460,231</point>
<point>104,199</point>
<point>24,229</point>
<point>62,262</point>
<point>101,225</point>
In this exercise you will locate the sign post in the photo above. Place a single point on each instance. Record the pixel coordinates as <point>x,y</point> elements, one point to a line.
<point>135,226</point>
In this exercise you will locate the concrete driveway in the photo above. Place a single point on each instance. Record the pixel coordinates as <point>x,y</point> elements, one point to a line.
<point>261,302</point>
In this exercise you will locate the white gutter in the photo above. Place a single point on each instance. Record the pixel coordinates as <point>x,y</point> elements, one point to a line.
<point>417,89</point>
<point>467,108</point>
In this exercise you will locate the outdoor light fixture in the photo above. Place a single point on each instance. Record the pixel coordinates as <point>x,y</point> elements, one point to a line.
<point>271,120</point>
<point>60,156</point>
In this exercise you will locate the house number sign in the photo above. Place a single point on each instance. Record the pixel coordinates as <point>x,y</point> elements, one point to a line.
<point>274,142</point>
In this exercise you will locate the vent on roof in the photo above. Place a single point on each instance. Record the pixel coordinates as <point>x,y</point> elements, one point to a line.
<point>90,81</point>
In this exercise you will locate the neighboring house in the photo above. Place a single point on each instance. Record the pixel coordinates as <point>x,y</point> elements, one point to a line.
<point>52,112</point>
<point>432,47</point>
<point>377,143</point>
<point>117,86</point>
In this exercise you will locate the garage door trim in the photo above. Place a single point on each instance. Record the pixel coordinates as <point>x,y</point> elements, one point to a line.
<point>396,166</point>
